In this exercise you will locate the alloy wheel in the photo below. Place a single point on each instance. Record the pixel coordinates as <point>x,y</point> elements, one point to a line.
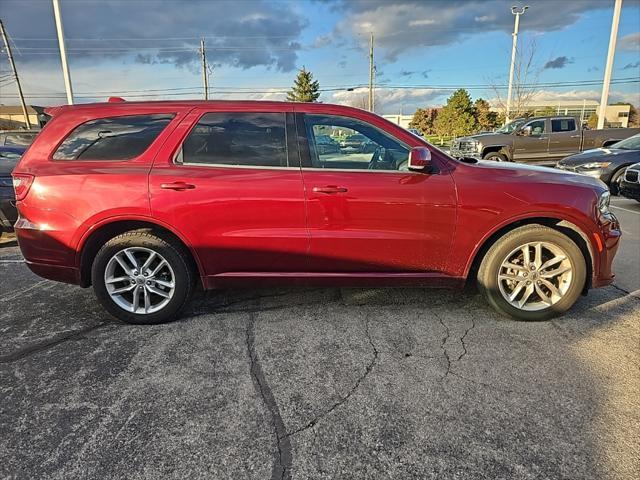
<point>535,276</point>
<point>139,280</point>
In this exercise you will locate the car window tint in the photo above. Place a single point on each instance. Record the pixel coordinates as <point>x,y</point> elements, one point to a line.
<point>240,139</point>
<point>537,127</point>
<point>346,143</point>
<point>115,138</point>
<point>563,125</point>
<point>19,139</point>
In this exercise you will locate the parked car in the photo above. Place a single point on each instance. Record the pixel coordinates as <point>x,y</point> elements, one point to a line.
<point>17,138</point>
<point>326,145</point>
<point>542,140</point>
<point>608,164</point>
<point>415,131</point>
<point>9,157</point>
<point>141,199</point>
<point>630,184</point>
<point>357,144</point>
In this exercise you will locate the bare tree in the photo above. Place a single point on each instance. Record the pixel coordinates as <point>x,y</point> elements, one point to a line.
<point>525,81</point>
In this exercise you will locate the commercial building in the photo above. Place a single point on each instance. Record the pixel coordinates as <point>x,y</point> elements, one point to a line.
<point>12,117</point>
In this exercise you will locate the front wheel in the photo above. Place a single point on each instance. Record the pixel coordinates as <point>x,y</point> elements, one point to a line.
<point>496,157</point>
<point>141,277</point>
<point>532,273</point>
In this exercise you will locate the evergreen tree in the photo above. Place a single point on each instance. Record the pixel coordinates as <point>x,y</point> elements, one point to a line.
<point>485,118</point>
<point>305,88</point>
<point>457,116</point>
<point>424,120</point>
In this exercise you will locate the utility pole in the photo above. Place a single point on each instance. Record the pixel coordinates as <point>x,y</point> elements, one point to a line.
<point>15,74</point>
<point>205,79</point>
<point>604,99</point>
<point>371,68</point>
<point>63,52</point>
<point>517,13</point>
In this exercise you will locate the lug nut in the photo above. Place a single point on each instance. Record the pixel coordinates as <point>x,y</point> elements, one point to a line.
<point>528,283</point>
<point>526,274</point>
<point>135,272</point>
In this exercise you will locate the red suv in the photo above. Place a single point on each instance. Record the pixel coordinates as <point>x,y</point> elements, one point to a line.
<point>141,199</point>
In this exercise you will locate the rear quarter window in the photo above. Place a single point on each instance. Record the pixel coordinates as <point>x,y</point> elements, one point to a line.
<point>113,138</point>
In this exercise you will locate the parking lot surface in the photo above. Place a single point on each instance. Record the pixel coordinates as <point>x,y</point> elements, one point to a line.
<point>320,383</point>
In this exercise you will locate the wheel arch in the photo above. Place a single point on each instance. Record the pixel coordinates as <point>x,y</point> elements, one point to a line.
<point>100,234</point>
<point>570,229</point>
<point>504,149</point>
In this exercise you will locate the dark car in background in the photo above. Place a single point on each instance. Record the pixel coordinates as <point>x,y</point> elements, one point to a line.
<point>630,183</point>
<point>358,144</point>
<point>607,164</point>
<point>9,157</point>
<point>17,138</point>
<point>325,145</point>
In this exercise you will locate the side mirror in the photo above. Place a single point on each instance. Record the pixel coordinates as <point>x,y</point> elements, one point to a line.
<point>526,131</point>
<point>419,158</point>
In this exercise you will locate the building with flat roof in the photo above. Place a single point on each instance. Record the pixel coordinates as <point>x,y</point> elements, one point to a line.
<point>616,116</point>
<point>12,118</point>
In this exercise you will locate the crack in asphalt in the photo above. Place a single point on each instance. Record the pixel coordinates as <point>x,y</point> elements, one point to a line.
<point>353,389</point>
<point>281,469</point>
<point>442,346</point>
<point>626,292</point>
<point>464,345</point>
<point>49,343</point>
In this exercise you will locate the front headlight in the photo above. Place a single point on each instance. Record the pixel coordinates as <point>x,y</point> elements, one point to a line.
<point>594,165</point>
<point>603,202</point>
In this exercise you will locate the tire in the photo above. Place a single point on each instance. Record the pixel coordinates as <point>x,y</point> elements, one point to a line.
<point>496,157</point>
<point>614,183</point>
<point>167,291</point>
<point>509,248</point>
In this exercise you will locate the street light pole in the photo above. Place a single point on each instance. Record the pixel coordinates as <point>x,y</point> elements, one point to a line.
<point>517,13</point>
<point>15,75</point>
<point>371,68</point>
<point>63,52</point>
<point>604,99</point>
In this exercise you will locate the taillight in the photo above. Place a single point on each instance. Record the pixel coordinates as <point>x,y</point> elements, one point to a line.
<point>21,184</point>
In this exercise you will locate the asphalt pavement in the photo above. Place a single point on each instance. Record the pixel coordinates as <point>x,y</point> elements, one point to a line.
<point>320,383</point>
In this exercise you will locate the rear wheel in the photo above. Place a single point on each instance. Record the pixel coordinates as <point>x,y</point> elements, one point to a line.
<point>496,157</point>
<point>532,273</point>
<point>140,277</point>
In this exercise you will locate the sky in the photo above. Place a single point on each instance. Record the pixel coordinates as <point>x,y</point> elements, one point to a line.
<point>423,49</point>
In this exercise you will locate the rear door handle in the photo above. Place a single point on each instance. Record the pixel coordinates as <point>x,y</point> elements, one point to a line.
<point>180,186</point>
<point>329,189</point>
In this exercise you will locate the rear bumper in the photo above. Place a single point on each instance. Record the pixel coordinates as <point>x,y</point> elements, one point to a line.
<point>8,214</point>
<point>58,273</point>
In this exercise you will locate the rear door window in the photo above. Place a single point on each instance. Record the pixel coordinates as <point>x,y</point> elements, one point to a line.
<point>237,139</point>
<point>563,125</point>
<point>114,138</point>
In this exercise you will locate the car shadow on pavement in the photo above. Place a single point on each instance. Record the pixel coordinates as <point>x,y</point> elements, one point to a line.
<point>362,382</point>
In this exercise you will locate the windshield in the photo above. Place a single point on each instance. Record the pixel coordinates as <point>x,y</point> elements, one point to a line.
<point>511,126</point>
<point>631,143</point>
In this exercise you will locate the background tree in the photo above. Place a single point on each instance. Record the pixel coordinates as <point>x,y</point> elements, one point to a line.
<point>305,88</point>
<point>457,116</point>
<point>548,111</point>
<point>485,118</point>
<point>424,120</point>
<point>592,123</point>
<point>525,83</point>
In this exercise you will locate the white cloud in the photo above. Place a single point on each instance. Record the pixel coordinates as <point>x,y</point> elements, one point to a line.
<point>390,100</point>
<point>422,22</point>
<point>630,43</point>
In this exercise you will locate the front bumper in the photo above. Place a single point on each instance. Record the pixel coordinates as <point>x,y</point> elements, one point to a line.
<point>458,153</point>
<point>607,242</point>
<point>630,190</point>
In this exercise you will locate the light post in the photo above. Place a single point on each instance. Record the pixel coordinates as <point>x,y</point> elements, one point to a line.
<point>517,13</point>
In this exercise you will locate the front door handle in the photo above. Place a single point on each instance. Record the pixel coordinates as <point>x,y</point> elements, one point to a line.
<point>329,189</point>
<point>180,186</point>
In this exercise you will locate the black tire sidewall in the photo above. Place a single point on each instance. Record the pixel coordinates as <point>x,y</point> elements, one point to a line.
<point>488,272</point>
<point>614,186</point>
<point>184,278</point>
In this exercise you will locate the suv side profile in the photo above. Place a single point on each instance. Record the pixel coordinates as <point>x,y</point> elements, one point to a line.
<point>143,199</point>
